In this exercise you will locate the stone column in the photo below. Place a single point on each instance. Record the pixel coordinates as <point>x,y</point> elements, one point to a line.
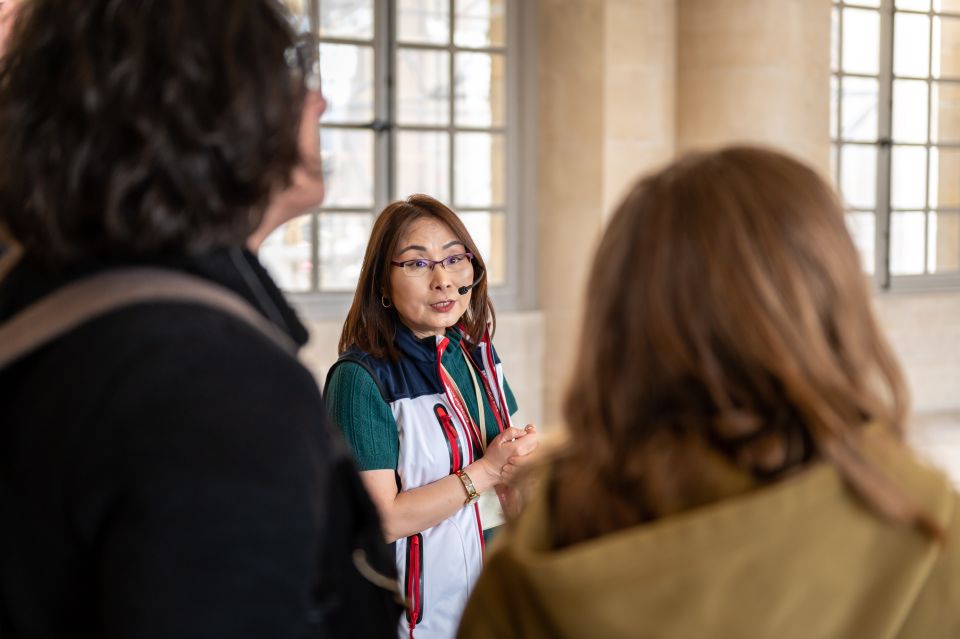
<point>755,71</point>
<point>606,115</point>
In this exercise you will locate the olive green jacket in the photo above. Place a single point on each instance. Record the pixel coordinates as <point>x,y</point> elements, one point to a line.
<point>800,559</point>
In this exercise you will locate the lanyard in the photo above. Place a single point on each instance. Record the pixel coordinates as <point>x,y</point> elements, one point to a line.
<point>477,437</point>
<point>476,433</point>
<point>500,411</point>
<point>476,390</point>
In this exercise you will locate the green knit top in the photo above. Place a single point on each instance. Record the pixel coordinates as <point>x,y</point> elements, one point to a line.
<point>358,408</point>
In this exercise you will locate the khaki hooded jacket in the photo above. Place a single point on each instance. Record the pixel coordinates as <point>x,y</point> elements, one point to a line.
<point>799,559</point>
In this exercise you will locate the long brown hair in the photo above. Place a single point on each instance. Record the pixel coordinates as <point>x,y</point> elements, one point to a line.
<point>370,325</point>
<point>729,340</point>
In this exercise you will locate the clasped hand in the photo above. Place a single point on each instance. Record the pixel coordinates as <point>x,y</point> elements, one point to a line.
<point>510,451</point>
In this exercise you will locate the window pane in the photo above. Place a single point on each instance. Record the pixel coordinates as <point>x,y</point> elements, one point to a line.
<point>343,239</point>
<point>911,44</point>
<point>909,111</point>
<point>480,23</point>
<point>859,175</point>
<point>946,47</point>
<point>347,73</point>
<point>346,19</point>
<point>944,178</point>
<point>480,90</point>
<point>906,243</point>
<point>423,87</point>
<point>348,161</point>
<point>945,112</point>
<point>835,39</point>
<point>480,174</point>
<point>287,256</point>
<point>908,177</point>
<point>861,41</point>
<point>423,21</point>
<point>423,164</point>
<point>863,229</point>
<point>488,231</point>
<point>859,105</point>
<point>918,5</point>
<point>944,242</point>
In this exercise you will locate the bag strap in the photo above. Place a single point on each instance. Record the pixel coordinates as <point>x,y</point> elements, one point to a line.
<point>78,302</point>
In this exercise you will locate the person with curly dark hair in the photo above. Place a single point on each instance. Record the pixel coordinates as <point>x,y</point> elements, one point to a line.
<point>165,467</point>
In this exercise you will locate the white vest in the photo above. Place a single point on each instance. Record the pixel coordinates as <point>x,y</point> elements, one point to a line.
<point>438,566</point>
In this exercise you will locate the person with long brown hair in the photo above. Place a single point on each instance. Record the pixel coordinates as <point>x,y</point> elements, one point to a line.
<point>735,464</point>
<point>420,395</point>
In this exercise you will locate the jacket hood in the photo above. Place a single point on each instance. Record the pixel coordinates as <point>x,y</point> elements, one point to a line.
<point>799,558</point>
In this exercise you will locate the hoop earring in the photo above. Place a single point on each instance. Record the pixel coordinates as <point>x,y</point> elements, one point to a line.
<point>385,302</point>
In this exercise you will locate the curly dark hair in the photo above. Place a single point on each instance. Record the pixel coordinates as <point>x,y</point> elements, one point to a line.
<point>132,128</point>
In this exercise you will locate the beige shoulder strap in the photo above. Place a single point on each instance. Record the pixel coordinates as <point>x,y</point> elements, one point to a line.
<point>76,303</point>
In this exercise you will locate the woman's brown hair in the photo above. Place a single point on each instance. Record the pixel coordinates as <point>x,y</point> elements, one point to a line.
<point>370,325</point>
<point>729,340</point>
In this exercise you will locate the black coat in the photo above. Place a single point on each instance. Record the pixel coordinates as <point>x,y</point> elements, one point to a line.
<point>166,471</point>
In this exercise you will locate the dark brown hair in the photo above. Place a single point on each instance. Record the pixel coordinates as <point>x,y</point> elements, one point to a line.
<point>132,128</point>
<point>729,341</point>
<point>372,327</point>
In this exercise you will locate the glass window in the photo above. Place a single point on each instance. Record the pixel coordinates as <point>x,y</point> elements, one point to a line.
<point>424,109</point>
<point>895,125</point>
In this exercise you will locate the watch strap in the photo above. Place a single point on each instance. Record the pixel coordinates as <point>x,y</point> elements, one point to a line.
<point>472,494</point>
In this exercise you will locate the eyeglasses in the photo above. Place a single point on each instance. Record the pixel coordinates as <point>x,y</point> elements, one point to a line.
<point>303,60</point>
<point>420,266</point>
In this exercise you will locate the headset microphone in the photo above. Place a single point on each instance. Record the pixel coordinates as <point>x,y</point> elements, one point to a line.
<point>463,290</point>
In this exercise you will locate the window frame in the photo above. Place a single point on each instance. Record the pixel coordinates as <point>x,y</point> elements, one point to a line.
<point>517,293</point>
<point>884,143</point>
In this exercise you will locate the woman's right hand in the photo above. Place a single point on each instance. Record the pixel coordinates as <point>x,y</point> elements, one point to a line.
<point>512,442</point>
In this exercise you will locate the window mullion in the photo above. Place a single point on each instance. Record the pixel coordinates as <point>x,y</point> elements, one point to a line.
<point>313,16</point>
<point>451,146</point>
<point>884,150</point>
<point>313,8</point>
<point>929,152</point>
<point>838,133</point>
<point>385,55</point>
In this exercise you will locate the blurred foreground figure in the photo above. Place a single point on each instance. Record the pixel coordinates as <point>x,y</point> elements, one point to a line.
<point>736,465</point>
<point>165,469</point>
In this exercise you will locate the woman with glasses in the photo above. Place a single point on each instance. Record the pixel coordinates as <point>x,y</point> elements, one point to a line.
<point>420,395</point>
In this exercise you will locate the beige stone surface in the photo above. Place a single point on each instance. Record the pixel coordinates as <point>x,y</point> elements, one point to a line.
<point>571,170</point>
<point>754,71</point>
<point>607,109</point>
<point>924,331</point>
<point>640,52</point>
